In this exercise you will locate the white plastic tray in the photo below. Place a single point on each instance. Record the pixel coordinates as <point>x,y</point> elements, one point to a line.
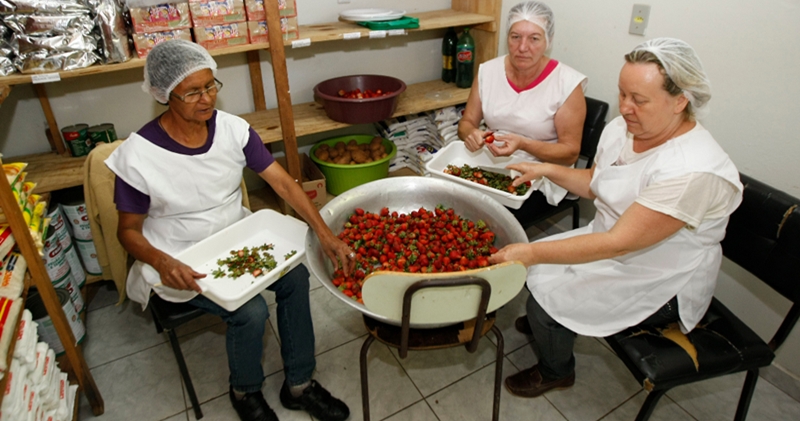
<point>263,227</point>
<point>457,154</point>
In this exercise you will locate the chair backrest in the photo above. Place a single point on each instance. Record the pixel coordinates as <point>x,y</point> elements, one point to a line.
<point>596,112</point>
<point>763,237</point>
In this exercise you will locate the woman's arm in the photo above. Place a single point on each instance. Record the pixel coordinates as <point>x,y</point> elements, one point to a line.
<point>574,180</point>
<point>569,128</point>
<point>286,187</point>
<point>468,130</point>
<point>174,274</point>
<point>638,228</point>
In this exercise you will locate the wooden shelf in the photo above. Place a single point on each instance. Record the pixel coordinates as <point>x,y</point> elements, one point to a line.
<point>333,31</point>
<point>310,118</point>
<point>51,171</point>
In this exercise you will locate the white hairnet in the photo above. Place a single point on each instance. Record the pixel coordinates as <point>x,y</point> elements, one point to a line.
<point>170,62</point>
<point>683,66</point>
<point>534,12</point>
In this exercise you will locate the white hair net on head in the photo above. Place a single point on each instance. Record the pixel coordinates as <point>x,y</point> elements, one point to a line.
<point>170,62</point>
<point>534,12</point>
<point>683,66</point>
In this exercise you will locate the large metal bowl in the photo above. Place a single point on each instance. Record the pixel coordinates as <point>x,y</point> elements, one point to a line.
<point>405,194</point>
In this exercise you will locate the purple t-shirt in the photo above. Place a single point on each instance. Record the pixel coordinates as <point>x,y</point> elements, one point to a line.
<point>129,199</point>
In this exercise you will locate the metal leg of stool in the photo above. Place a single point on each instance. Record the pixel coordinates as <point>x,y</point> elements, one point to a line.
<point>498,373</point>
<point>364,377</point>
<point>176,348</point>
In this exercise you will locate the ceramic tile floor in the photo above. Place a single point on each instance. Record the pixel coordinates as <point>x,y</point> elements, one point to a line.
<point>138,377</point>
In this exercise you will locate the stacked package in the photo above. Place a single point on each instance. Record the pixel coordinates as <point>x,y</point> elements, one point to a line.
<point>115,45</point>
<point>219,23</point>
<point>37,389</point>
<point>416,138</point>
<point>257,20</point>
<point>155,21</point>
<point>50,35</point>
<point>6,51</point>
<point>32,205</point>
<point>446,120</point>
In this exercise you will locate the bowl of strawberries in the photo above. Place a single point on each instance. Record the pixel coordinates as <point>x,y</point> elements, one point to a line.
<point>359,99</point>
<point>405,229</point>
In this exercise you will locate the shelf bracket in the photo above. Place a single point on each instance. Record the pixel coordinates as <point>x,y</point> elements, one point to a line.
<point>4,91</point>
<point>52,125</point>
<point>256,81</point>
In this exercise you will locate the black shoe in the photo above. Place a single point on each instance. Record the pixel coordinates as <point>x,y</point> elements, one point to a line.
<point>252,407</point>
<point>316,401</point>
<point>522,325</point>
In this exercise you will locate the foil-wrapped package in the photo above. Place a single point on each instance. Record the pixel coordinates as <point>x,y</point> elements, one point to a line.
<point>44,6</point>
<point>6,52</point>
<point>48,61</point>
<point>48,25</point>
<point>59,43</point>
<point>115,44</point>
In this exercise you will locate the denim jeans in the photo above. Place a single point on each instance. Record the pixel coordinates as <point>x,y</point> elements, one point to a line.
<point>245,333</point>
<point>554,343</point>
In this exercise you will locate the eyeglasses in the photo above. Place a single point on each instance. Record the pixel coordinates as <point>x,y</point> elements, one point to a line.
<point>194,96</point>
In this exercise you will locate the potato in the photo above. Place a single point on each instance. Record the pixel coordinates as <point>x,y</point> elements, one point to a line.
<point>376,146</point>
<point>352,142</point>
<point>334,153</point>
<point>352,148</point>
<point>377,154</point>
<point>324,147</point>
<point>340,145</point>
<point>322,154</point>
<point>376,139</point>
<point>359,156</point>
<point>344,158</point>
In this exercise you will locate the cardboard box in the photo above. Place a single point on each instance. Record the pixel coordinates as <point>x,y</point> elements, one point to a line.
<point>221,36</point>
<point>163,17</point>
<point>259,34</point>
<point>145,42</point>
<point>313,182</point>
<point>216,12</point>
<point>255,9</point>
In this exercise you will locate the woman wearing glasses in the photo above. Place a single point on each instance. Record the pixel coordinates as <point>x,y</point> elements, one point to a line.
<point>178,182</point>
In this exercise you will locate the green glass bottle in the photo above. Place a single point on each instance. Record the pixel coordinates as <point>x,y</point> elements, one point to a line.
<point>449,56</point>
<point>465,59</point>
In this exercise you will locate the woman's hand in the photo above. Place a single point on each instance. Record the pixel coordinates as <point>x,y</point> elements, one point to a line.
<point>474,140</point>
<point>338,251</point>
<point>177,275</point>
<point>530,171</point>
<point>510,143</point>
<point>513,252</point>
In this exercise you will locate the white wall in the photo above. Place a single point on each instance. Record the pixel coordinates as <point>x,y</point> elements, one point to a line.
<point>751,52</point>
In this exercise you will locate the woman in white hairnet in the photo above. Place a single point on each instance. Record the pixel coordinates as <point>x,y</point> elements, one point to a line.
<point>178,182</point>
<point>532,104</point>
<point>663,189</point>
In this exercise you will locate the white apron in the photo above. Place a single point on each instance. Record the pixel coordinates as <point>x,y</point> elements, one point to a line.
<point>191,197</point>
<point>604,297</point>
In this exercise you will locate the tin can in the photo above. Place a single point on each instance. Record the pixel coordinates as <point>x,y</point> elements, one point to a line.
<point>45,329</point>
<point>102,133</point>
<point>77,138</point>
<point>89,256</point>
<point>75,212</point>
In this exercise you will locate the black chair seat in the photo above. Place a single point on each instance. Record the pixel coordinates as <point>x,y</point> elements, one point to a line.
<point>171,315</point>
<point>723,344</point>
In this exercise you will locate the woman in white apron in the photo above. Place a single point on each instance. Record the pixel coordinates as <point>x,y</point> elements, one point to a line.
<point>178,182</point>
<point>663,189</point>
<point>533,105</point>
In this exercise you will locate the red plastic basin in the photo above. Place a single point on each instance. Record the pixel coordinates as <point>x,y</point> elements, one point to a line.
<point>359,111</point>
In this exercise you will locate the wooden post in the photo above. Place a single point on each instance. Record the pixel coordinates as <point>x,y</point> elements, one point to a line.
<point>256,82</point>
<point>47,292</point>
<point>281,76</point>
<point>487,35</point>
<point>4,91</point>
<point>41,92</point>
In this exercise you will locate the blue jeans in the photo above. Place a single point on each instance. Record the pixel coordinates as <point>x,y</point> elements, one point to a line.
<point>553,343</point>
<point>246,325</point>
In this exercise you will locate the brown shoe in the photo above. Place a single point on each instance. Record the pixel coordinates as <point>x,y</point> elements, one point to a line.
<point>530,384</point>
<point>522,325</point>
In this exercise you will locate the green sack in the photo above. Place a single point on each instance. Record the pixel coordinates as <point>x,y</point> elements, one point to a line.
<point>406,22</point>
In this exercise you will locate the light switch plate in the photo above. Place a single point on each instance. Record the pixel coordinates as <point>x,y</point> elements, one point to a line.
<point>639,19</point>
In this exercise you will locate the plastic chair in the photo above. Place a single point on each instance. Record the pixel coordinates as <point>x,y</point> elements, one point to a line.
<point>465,333</point>
<point>533,212</point>
<point>763,237</point>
